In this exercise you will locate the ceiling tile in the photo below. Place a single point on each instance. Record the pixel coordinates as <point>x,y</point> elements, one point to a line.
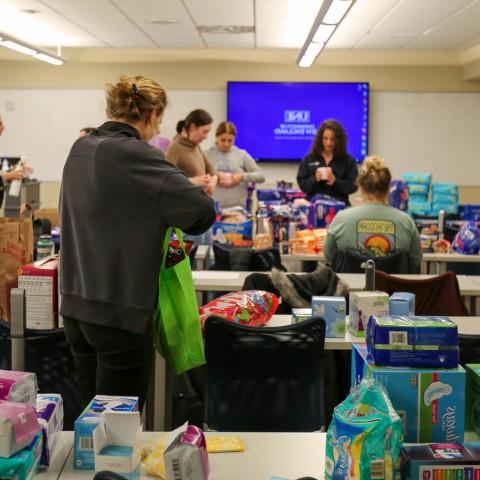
<point>238,40</point>
<point>384,42</point>
<point>214,12</point>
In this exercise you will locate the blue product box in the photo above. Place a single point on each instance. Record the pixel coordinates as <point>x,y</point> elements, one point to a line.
<point>430,402</point>
<point>424,342</point>
<point>470,212</point>
<point>268,195</point>
<point>83,454</point>
<point>401,303</point>
<point>443,461</point>
<point>334,311</point>
<point>235,234</point>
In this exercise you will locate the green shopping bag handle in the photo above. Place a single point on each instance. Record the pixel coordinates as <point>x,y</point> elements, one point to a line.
<point>166,242</point>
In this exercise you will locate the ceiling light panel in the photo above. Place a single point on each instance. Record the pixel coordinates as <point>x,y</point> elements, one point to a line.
<point>214,12</point>
<point>414,16</point>
<point>284,23</point>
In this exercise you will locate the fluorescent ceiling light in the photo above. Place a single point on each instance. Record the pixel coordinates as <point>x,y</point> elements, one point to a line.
<point>49,59</point>
<point>306,62</point>
<point>17,47</point>
<point>313,49</point>
<point>336,11</point>
<point>323,33</point>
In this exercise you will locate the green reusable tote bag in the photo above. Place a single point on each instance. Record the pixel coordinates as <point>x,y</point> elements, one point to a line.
<point>178,336</point>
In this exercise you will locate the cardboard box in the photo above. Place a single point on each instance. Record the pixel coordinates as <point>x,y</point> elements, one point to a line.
<point>364,304</point>
<point>443,461</point>
<point>50,214</point>
<point>39,280</point>
<point>401,303</point>
<point>430,402</point>
<point>301,314</point>
<point>116,443</point>
<point>49,410</point>
<point>333,310</point>
<point>83,454</point>
<point>472,398</point>
<point>422,342</point>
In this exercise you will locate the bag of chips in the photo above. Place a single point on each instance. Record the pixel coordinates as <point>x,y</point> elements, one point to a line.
<point>250,307</point>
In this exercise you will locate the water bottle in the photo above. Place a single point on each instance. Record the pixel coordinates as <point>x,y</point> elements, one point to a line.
<point>45,246</point>
<point>16,185</point>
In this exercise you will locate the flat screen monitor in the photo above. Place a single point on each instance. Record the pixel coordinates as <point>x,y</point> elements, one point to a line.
<point>277,121</point>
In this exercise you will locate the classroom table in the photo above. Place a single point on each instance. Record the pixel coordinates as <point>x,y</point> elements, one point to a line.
<point>59,458</point>
<point>287,455</point>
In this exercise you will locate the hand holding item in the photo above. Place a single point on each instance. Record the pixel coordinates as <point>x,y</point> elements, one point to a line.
<point>15,174</point>
<point>211,184</point>
<point>200,180</point>
<point>225,179</point>
<point>331,177</point>
<point>323,174</point>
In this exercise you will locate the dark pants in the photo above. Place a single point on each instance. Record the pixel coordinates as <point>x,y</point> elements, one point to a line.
<point>110,361</point>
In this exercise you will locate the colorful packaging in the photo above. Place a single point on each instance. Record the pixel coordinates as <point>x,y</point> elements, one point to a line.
<point>472,398</point>
<point>18,427</point>
<point>421,189</point>
<point>20,387</point>
<point>423,342</point>
<point>323,210</point>
<point>85,424</point>
<point>235,234</point>
<point>301,314</point>
<point>362,305</point>
<point>250,307</point>
<point>268,195</point>
<point>422,207</point>
<point>440,461</point>
<point>24,464</point>
<point>334,311</point>
<point>467,240</point>
<point>185,454</point>
<point>364,437</point>
<point>445,189</point>
<point>417,177</point>
<point>49,410</point>
<point>398,196</point>
<point>401,303</point>
<point>430,402</point>
<point>470,212</point>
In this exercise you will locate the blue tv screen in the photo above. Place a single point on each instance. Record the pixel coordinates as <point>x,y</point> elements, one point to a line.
<point>277,121</point>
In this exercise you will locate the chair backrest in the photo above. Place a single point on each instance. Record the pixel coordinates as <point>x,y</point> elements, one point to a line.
<point>349,260</point>
<point>266,378</point>
<point>438,295</point>
<point>468,349</point>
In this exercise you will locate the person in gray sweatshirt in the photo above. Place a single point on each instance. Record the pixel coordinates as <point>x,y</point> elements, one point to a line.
<point>235,167</point>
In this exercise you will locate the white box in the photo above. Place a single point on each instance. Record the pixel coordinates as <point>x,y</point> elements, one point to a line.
<point>119,429</point>
<point>362,305</point>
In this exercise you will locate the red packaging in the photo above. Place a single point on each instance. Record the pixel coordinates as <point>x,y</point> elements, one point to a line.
<point>251,307</point>
<point>175,252</point>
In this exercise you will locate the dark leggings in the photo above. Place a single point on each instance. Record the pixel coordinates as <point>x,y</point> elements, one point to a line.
<point>110,361</point>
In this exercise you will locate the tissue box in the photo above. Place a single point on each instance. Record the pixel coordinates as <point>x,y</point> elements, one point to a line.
<point>39,280</point>
<point>301,314</point>
<point>24,464</point>
<point>235,234</point>
<point>430,402</point>
<point>116,443</point>
<point>472,400</point>
<point>50,417</point>
<point>83,454</point>
<point>443,461</point>
<point>18,427</point>
<point>427,342</point>
<point>364,304</point>
<point>19,387</point>
<point>401,303</point>
<point>333,310</point>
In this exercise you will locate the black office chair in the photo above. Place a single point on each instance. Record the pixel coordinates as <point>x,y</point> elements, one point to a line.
<point>468,349</point>
<point>264,378</point>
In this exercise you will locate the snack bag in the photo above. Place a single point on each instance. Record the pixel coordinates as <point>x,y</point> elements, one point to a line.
<point>467,240</point>
<point>364,437</point>
<point>250,307</point>
<point>175,252</point>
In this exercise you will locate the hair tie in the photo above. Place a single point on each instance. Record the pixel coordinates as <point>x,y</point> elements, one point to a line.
<point>134,91</point>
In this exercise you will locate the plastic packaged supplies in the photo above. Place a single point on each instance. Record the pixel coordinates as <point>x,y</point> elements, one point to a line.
<point>398,196</point>
<point>467,240</point>
<point>399,341</point>
<point>323,210</point>
<point>50,417</point>
<point>470,212</point>
<point>417,177</point>
<point>18,387</point>
<point>364,437</point>
<point>250,307</point>
<point>24,464</point>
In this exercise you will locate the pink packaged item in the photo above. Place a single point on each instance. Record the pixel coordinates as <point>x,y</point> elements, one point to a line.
<point>18,387</point>
<point>185,454</point>
<point>18,426</point>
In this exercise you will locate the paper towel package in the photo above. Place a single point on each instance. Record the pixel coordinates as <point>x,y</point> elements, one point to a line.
<point>20,387</point>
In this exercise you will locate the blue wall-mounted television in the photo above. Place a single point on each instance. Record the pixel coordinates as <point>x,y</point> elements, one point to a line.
<point>277,121</point>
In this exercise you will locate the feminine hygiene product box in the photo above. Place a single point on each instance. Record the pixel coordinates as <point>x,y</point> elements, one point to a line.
<point>333,310</point>
<point>301,314</point>
<point>116,444</point>
<point>472,398</point>
<point>442,461</point>
<point>50,417</point>
<point>83,454</point>
<point>427,342</point>
<point>364,304</point>
<point>430,402</point>
<point>401,303</point>
<point>39,280</point>
<point>20,387</point>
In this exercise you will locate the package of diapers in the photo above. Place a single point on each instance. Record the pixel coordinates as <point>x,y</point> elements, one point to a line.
<point>50,417</point>
<point>18,427</point>
<point>18,387</point>
<point>364,437</point>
